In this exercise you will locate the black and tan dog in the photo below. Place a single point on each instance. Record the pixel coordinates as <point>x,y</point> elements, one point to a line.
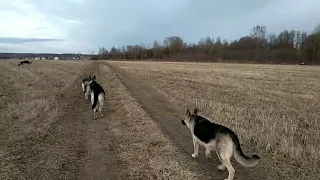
<point>97,96</point>
<point>217,138</point>
<point>24,62</point>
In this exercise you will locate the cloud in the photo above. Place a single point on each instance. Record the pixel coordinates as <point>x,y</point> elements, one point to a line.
<point>117,23</point>
<point>45,47</point>
<point>24,22</point>
<point>84,24</point>
<point>15,40</point>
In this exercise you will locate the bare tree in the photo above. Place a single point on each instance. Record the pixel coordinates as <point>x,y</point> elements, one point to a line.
<point>259,33</point>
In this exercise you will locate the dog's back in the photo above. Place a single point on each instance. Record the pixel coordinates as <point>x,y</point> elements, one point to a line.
<point>97,97</point>
<point>96,87</point>
<point>207,131</point>
<point>21,63</point>
<point>24,62</point>
<point>97,92</point>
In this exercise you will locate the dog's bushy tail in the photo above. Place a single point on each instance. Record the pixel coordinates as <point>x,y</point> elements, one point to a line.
<point>240,157</point>
<point>95,100</point>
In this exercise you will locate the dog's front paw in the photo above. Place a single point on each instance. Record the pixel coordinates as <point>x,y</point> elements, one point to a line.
<point>194,155</point>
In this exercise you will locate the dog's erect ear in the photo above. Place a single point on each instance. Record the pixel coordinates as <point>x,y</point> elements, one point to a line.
<point>183,122</point>
<point>94,77</point>
<point>195,111</point>
<point>188,112</point>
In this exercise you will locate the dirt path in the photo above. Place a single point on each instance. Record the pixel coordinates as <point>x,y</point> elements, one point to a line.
<point>163,113</point>
<point>102,160</point>
<point>71,146</point>
<point>127,144</point>
<point>83,145</point>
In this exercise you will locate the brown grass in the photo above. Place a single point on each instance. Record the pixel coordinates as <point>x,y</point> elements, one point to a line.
<point>272,107</point>
<point>28,106</point>
<point>139,142</point>
<point>44,136</point>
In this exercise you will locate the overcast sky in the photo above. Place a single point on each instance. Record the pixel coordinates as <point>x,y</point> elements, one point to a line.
<point>60,26</point>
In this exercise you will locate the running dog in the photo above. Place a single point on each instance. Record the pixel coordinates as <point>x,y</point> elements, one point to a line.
<point>86,90</point>
<point>24,62</point>
<point>218,138</point>
<point>97,96</point>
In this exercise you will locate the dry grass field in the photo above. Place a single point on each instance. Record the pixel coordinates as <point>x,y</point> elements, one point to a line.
<point>29,108</point>
<point>274,108</point>
<point>47,129</point>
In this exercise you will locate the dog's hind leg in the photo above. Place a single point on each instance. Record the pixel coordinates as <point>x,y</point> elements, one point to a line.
<point>94,107</point>
<point>231,171</point>
<point>208,153</point>
<point>225,151</point>
<point>221,166</point>
<point>101,103</point>
<point>100,109</point>
<point>94,113</point>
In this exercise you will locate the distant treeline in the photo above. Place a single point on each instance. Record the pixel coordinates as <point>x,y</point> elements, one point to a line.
<point>4,56</point>
<point>44,55</point>
<point>289,47</point>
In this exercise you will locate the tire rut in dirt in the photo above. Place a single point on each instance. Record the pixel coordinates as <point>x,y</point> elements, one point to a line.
<point>102,161</point>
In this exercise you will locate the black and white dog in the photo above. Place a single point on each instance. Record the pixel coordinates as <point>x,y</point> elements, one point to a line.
<point>24,62</point>
<point>218,138</point>
<point>97,96</point>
